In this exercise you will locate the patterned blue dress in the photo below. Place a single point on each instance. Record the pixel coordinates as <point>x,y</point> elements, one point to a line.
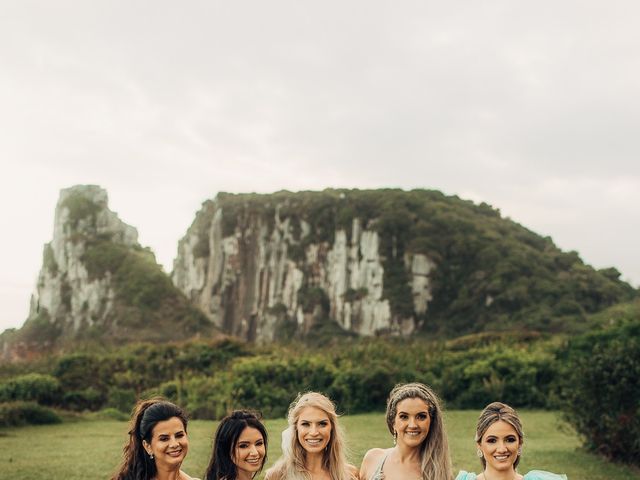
<point>532,475</point>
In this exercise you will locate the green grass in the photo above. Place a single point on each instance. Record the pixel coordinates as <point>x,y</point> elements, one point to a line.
<point>91,449</point>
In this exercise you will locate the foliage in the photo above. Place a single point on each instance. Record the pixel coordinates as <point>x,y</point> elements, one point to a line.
<point>13,414</point>
<point>121,399</point>
<point>80,208</point>
<point>41,329</point>
<point>362,388</point>
<point>490,271</point>
<point>600,390</point>
<point>35,387</point>
<point>86,399</point>
<point>109,414</point>
<point>268,384</point>
<point>312,298</point>
<point>209,378</point>
<point>516,375</point>
<point>147,305</point>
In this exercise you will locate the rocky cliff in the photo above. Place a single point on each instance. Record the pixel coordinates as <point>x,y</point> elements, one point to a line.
<point>268,269</point>
<point>263,267</point>
<point>307,264</point>
<point>97,283</point>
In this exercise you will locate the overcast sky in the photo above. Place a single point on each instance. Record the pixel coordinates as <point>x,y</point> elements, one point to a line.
<point>532,107</point>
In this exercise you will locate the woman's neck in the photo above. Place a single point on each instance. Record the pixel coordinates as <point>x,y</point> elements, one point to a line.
<point>244,475</point>
<point>313,462</point>
<point>163,474</point>
<point>492,474</point>
<point>407,454</point>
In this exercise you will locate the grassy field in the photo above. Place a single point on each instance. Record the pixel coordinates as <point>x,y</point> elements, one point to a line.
<point>84,449</point>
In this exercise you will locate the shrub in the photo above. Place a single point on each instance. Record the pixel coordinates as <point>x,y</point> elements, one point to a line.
<point>109,414</point>
<point>600,391</point>
<point>363,388</point>
<point>13,414</point>
<point>269,384</point>
<point>79,370</point>
<point>121,399</point>
<point>36,387</point>
<point>79,400</point>
<point>207,397</point>
<point>507,372</point>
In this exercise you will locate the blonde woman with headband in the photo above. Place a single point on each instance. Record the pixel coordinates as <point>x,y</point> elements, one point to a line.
<point>313,445</point>
<point>499,438</point>
<point>421,449</point>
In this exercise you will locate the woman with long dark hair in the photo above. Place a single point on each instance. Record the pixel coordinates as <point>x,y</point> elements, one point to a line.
<point>158,443</point>
<point>239,448</point>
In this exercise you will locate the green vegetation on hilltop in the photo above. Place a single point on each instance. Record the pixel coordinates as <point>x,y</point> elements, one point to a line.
<point>490,272</point>
<point>81,208</point>
<point>125,295</point>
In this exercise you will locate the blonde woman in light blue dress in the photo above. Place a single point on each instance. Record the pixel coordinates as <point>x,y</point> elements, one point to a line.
<point>499,438</point>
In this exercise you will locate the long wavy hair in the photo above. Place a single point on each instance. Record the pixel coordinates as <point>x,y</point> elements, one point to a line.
<point>434,451</point>
<point>136,464</point>
<point>493,413</point>
<point>222,466</point>
<point>292,464</point>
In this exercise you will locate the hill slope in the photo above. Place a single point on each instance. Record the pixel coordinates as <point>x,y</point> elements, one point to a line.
<point>379,261</point>
<point>98,284</point>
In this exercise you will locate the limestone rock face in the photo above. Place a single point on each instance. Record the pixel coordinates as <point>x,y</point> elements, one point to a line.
<point>264,273</point>
<point>65,292</point>
<point>98,284</point>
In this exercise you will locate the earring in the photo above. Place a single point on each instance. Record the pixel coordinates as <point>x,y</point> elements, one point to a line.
<point>395,438</point>
<point>479,453</point>
<point>151,456</point>
<point>519,451</point>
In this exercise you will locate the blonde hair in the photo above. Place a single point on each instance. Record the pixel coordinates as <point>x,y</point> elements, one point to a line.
<point>434,451</point>
<point>495,412</point>
<point>292,464</point>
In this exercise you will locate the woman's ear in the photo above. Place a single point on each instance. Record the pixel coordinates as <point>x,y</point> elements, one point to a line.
<point>146,447</point>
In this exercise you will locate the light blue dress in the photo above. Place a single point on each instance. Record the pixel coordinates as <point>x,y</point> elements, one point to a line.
<point>532,475</point>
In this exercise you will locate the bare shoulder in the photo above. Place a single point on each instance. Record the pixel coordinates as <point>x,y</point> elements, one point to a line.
<point>370,462</point>
<point>274,473</point>
<point>354,473</point>
<point>374,454</point>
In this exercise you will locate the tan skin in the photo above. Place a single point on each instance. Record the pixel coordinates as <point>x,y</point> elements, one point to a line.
<point>314,433</point>
<point>169,445</point>
<point>499,446</point>
<point>249,453</point>
<point>412,423</point>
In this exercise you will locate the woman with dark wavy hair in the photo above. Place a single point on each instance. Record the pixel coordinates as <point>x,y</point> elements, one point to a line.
<point>158,443</point>
<point>239,447</point>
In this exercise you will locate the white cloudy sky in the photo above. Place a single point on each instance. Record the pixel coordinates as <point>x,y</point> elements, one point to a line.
<point>532,107</point>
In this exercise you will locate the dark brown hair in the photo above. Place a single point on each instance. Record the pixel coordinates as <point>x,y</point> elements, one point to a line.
<point>136,464</point>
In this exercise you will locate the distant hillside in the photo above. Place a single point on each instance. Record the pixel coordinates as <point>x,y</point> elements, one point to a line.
<point>98,284</point>
<point>308,265</point>
<point>372,262</point>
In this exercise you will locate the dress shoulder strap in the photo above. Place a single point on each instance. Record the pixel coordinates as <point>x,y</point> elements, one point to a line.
<point>378,475</point>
